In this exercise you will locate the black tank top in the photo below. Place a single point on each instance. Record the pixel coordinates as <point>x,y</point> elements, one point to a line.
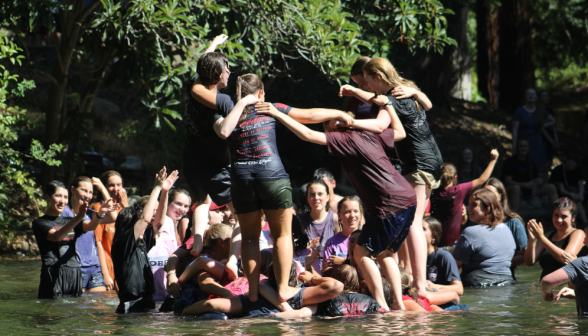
<point>548,263</point>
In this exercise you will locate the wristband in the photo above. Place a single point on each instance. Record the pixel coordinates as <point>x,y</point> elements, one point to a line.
<point>312,279</point>
<point>171,272</point>
<point>100,217</point>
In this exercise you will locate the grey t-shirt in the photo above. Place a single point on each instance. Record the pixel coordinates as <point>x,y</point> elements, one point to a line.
<point>518,231</point>
<point>486,248</point>
<point>577,270</point>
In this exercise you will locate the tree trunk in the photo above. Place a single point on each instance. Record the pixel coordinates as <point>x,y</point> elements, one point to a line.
<point>71,24</point>
<point>493,36</point>
<point>482,55</point>
<point>517,71</point>
<point>459,76</point>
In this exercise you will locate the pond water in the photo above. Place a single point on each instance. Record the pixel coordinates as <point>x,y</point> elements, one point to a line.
<point>516,310</point>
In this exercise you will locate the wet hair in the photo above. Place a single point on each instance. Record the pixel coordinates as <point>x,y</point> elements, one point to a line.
<point>490,201</point>
<point>406,288</point>
<point>565,203</point>
<point>51,188</point>
<point>527,159</point>
<point>265,261</point>
<point>353,198</point>
<point>210,67</point>
<point>436,229</point>
<point>508,213</point>
<point>271,276</point>
<point>215,233</point>
<point>321,173</point>
<point>303,206</point>
<point>174,192</point>
<point>246,85</point>
<point>448,175</point>
<point>126,219</point>
<point>300,237</point>
<point>461,163</point>
<point>347,275</point>
<point>76,182</point>
<point>321,182</point>
<point>108,174</point>
<point>383,67</point>
<point>357,67</point>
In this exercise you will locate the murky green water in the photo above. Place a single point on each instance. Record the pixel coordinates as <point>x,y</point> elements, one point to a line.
<point>511,310</point>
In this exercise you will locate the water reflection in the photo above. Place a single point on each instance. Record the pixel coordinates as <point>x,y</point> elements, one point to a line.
<point>510,310</point>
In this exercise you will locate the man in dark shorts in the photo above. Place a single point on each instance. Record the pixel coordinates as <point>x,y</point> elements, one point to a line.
<point>389,200</point>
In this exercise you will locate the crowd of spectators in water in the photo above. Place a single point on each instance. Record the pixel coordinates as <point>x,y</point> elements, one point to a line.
<point>239,244</point>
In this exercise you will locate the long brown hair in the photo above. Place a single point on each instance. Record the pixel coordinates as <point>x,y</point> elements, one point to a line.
<point>246,85</point>
<point>387,72</point>
<point>448,175</point>
<point>436,229</point>
<point>406,288</point>
<point>108,174</point>
<point>357,67</point>
<point>347,275</point>
<point>508,213</point>
<point>487,198</point>
<point>210,67</point>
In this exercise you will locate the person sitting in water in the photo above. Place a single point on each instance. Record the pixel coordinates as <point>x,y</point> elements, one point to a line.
<point>131,264</point>
<point>56,236</point>
<point>350,214</point>
<point>411,299</point>
<point>512,220</point>
<point>556,248</point>
<point>323,289</point>
<point>485,251</point>
<point>442,270</point>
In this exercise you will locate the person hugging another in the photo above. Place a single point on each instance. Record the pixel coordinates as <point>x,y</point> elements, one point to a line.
<point>335,252</point>
<point>56,236</point>
<point>485,251</point>
<point>131,264</point>
<point>442,270</point>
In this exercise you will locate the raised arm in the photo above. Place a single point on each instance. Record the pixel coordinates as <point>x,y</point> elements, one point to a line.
<point>149,208</point>
<point>351,91</point>
<point>105,208</point>
<point>300,130</point>
<point>488,171</point>
<point>218,40</point>
<point>225,126</point>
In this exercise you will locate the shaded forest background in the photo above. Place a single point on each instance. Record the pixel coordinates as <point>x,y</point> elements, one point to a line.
<point>111,77</point>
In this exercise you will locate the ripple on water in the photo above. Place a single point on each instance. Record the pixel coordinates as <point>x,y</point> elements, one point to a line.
<point>514,310</point>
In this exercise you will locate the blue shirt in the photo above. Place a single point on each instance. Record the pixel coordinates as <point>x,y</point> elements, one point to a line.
<point>86,242</point>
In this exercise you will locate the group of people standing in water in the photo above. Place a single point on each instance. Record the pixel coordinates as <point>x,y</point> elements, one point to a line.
<point>235,245</point>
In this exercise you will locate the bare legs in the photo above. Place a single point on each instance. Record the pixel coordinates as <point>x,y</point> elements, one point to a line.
<point>251,256</point>
<point>280,223</point>
<point>373,278</point>
<point>417,244</point>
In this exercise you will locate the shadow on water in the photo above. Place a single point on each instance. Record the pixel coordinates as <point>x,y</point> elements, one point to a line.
<point>514,310</point>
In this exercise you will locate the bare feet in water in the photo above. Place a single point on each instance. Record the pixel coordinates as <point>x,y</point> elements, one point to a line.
<point>287,293</point>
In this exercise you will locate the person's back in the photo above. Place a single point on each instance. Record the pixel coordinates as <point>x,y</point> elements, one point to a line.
<point>348,303</point>
<point>489,249</point>
<point>446,206</point>
<point>577,271</point>
<point>382,190</point>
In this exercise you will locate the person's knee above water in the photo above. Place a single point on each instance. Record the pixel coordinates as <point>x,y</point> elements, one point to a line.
<point>556,248</point>
<point>485,251</point>
<point>388,198</point>
<point>447,200</point>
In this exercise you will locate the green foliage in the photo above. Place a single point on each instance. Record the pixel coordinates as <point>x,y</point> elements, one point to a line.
<point>560,40</point>
<point>19,197</point>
